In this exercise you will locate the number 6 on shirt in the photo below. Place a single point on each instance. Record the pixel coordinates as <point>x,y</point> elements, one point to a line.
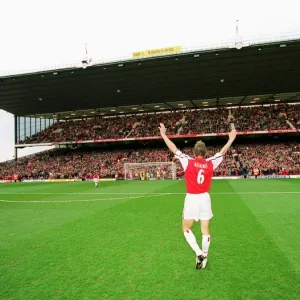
<point>198,171</point>
<point>200,177</point>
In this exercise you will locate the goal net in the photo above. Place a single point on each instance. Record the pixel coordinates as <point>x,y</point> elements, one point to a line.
<point>150,171</point>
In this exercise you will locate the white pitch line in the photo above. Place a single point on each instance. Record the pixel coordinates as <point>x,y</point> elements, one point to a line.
<point>150,194</point>
<point>88,193</point>
<point>76,200</point>
<point>253,193</point>
<point>141,195</point>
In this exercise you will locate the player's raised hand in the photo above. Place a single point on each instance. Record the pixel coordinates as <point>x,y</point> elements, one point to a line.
<point>162,129</point>
<point>232,135</point>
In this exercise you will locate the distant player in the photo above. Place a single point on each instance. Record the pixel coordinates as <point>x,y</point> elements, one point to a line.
<point>256,172</point>
<point>197,205</point>
<point>158,174</point>
<point>147,176</point>
<point>96,179</point>
<point>16,178</point>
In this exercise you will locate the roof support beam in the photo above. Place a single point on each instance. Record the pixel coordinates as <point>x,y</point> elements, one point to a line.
<point>194,104</point>
<point>169,105</point>
<point>270,97</point>
<point>243,99</point>
<point>293,97</point>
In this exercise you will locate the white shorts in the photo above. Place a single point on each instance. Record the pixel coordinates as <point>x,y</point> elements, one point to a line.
<point>96,180</point>
<point>197,207</point>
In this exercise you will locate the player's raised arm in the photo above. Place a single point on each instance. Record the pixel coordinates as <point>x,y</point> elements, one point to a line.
<point>232,136</point>
<point>168,142</point>
<point>218,157</point>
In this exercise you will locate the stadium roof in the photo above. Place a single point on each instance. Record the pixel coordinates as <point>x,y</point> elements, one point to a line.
<point>258,73</point>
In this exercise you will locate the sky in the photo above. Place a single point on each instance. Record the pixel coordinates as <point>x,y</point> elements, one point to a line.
<point>38,34</point>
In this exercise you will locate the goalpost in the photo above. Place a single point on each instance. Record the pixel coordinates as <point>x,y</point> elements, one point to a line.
<point>150,171</point>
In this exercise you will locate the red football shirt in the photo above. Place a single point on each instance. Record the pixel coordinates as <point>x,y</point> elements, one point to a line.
<point>198,171</point>
<point>96,176</point>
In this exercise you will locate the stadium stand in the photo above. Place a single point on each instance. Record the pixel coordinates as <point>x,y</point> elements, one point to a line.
<point>256,118</point>
<point>269,158</point>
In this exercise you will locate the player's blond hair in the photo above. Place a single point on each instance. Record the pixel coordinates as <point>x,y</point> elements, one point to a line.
<point>200,149</point>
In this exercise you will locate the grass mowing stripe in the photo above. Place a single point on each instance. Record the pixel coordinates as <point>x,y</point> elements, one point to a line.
<point>281,222</point>
<point>250,256</point>
<point>279,215</point>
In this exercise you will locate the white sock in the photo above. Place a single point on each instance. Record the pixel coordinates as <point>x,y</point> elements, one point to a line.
<point>190,238</point>
<point>205,244</point>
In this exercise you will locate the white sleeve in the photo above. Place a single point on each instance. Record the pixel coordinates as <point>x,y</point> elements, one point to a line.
<point>216,160</point>
<point>183,158</point>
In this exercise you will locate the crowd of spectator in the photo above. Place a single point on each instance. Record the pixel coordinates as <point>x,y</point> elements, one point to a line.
<point>270,159</point>
<point>293,115</point>
<point>255,118</point>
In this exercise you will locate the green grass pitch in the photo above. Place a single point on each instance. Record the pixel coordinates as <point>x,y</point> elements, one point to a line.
<point>124,241</point>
